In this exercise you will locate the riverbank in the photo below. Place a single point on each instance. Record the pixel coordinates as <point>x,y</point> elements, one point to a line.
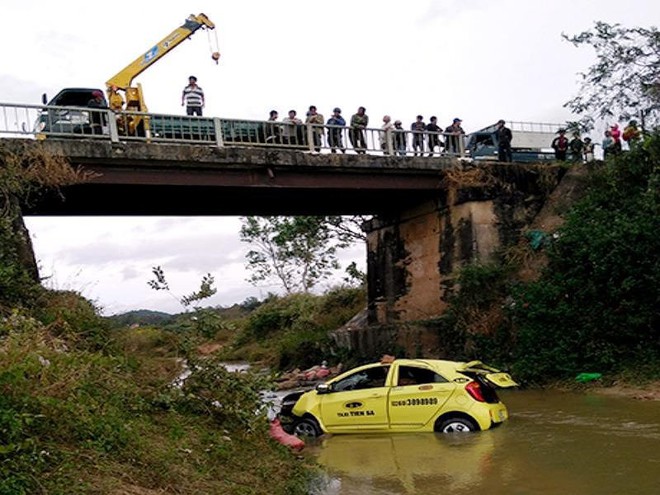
<point>624,388</point>
<point>648,391</point>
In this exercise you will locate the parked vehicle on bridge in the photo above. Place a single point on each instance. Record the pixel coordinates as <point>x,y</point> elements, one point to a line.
<point>68,113</point>
<point>401,395</point>
<point>134,124</point>
<point>530,143</point>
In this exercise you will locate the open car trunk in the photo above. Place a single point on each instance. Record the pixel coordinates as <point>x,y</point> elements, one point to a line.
<point>491,375</point>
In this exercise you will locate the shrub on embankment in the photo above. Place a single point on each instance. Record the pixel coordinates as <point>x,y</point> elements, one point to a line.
<point>84,412</point>
<point>595,306</point>
<point>293,331</point>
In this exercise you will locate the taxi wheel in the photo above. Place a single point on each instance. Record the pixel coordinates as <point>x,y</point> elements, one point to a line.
<point>457,425</point>
<point>307,428</point>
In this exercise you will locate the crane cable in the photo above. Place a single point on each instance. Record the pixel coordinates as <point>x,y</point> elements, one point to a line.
<point>213,47</point>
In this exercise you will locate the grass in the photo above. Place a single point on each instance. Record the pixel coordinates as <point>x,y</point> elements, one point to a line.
<point>80,419</point>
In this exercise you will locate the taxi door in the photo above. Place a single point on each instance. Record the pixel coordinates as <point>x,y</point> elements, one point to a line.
<point>417,396</point>
<point>358,401</point>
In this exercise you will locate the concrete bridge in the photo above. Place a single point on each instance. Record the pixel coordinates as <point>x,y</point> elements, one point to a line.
<point>138,178</point>
<point>431,215</point>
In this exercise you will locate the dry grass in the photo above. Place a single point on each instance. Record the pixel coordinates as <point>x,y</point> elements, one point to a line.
<point>29,168</point>
<point>474,177</point>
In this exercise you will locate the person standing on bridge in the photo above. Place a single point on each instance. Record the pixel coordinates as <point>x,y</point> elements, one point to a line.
<point>272,129</point>
<point>385,135</point>
<point>291,129</point>
<point>504,137</point>
<point>336,122</point>
<point>560,145</point>
<point>576,145</point>
<point>455,135</point>
<point>399,138</point>
<point>434,138</point>
<point>315,120</point>
<point>588,150</point>
<point>97,119</point>
<point>418,128</point>
<point>193,97</point>
<point>359,122</point>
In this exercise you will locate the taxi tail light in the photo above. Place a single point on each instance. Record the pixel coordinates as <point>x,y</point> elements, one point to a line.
<point>474,389</point>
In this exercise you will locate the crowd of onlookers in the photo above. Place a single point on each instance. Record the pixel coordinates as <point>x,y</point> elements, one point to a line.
<point>392,137</point>
<point>579,150</point>
<point>426,137</point>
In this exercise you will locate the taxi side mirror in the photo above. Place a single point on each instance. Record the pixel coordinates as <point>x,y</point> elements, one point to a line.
<point>323,388</point>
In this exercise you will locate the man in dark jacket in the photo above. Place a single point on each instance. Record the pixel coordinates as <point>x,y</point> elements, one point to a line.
<point>418,127</point>
<point>97,119</point>
<point>504,138</point>
<point>560,145</point>
<point>455,135</point>
<point>434,137</point>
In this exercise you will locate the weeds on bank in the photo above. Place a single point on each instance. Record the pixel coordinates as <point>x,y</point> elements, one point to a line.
<point>78,418</point>
<point>294,331</point>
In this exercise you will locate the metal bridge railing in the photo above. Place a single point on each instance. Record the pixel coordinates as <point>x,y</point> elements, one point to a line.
<point>18,120</point>
<point>94,123</point>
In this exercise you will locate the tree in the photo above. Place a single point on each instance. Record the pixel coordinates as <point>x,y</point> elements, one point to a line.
<point>624,83</point>
<point>297,251</point>
<point>596,306</point>
<point>206,287</point>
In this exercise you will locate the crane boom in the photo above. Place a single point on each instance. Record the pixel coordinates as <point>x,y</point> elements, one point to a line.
<point>124,78</point>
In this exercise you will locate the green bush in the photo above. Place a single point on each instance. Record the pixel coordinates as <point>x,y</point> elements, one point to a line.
<point>74,421</point>
<point>293,331</point>
<point>303,349</point>
<point>279,314</point>
<point>71,316</point>
<point>596,306</point>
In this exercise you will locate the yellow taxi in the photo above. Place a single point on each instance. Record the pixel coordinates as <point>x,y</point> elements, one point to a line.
<point>401,395</point>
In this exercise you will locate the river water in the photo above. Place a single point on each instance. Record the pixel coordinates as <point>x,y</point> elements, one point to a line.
<point>554,443</point>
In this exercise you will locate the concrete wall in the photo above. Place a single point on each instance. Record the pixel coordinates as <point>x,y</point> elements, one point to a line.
<point>413,256</point>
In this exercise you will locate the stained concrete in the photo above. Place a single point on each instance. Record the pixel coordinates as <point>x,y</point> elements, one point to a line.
<point>414,256</point>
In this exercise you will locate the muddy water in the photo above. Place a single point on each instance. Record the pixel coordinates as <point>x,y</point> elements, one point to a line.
<point>555,443</point>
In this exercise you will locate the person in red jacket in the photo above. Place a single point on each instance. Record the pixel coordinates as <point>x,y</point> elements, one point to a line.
<point>560,145</point>
<point>616,135</point>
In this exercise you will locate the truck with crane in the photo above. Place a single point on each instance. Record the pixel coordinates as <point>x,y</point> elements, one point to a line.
<point>67,115</point>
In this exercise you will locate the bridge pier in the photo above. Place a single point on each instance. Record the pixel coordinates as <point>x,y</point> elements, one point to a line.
<point>414,255</point>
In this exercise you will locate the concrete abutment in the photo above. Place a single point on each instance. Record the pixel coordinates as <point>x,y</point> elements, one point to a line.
<point>415,255</point>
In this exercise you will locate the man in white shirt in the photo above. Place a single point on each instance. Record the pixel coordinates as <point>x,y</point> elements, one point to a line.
<point>193,97</point>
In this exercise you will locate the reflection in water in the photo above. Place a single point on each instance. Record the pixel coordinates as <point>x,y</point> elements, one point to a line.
<point>402,463</point>
<point>555,443</point>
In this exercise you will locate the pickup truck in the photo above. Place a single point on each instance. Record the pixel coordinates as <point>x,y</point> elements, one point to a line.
<point>68,114</point>
<point>530,143</point>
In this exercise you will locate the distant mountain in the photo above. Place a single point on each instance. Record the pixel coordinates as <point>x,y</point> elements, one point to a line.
<point>141,317</point>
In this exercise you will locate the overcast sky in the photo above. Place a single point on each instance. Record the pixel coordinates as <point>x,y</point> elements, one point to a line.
<point>479,60</point>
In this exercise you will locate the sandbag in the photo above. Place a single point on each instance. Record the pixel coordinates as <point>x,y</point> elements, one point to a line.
<point>281,436</point>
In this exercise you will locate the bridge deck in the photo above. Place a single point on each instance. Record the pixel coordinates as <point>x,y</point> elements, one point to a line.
<point>163,179</point>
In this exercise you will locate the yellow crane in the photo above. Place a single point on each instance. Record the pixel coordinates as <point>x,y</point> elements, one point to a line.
<point>124,78</point>
<point>65,122</point>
